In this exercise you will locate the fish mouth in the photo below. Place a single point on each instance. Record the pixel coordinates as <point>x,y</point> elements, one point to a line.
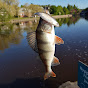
<point>48,18</point>
<point>57,25</point>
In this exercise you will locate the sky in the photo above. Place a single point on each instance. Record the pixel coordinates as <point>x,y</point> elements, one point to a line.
<point>82,4</point>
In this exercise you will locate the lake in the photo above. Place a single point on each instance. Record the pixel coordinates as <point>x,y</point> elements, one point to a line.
<point>20,66</point>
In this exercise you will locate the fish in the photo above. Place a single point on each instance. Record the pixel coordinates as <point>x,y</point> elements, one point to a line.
<point>46,40</point>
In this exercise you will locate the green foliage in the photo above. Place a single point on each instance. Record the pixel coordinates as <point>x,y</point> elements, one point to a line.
<point>31,9</point>
<point>56,10</point>
<point>59,10</point>
<point>74,7</point>
<point>22,6</point>
<point>66,11</point>
<point>68,21</point>
<point>9,8</point>
<point>4,15</point>
<point>11,2</point>
<point>69,7</point>
<point>86,9</point>
<point>53,9</point>
<point>35,8</point>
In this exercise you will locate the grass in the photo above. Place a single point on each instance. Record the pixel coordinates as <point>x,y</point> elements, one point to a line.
<point>24,18</point>
<point>17,19</point>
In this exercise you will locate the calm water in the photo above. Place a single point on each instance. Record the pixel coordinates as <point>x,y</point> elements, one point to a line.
<point>20,66</point>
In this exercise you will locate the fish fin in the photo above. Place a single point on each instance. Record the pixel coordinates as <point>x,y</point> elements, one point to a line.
<point>31,38</point>
<point>48,74</point>
<point>58,40</point>
<point>48,18</point>
<point>55,61</point>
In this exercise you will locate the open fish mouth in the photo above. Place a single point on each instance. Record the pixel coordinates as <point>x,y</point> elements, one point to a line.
<point>48,18</point>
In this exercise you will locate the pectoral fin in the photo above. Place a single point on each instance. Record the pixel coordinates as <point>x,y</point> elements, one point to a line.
<point>58,40</point>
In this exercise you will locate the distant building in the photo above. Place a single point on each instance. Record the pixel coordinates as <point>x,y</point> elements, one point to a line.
<point>46,7</point>
<point>46,10</point>
<point>21,12</point>
<point>73,11</point>
<point>24,13</point>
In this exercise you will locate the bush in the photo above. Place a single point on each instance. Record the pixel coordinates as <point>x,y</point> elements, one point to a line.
<point>4,15</point>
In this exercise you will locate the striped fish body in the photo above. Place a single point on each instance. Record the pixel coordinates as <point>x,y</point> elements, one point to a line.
<point>45,36</point>
<point>46,40</point>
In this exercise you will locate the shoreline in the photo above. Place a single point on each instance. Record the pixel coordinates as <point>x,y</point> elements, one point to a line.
<point>28,19</point>
<point>62,16</point>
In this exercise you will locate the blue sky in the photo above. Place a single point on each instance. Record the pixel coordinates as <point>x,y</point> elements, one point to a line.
<point>80,3</point>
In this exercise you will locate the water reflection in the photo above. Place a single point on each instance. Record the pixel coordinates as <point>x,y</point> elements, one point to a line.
<point>9,34</point>
<point>12,33</point>
<point>68,21</point>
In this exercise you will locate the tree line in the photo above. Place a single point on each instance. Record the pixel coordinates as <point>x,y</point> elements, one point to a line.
<point>10,9</point>
<point>59,10</point>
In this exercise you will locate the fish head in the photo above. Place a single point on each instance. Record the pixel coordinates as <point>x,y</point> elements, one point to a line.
<point>44,26</point>
<point>48,18</point>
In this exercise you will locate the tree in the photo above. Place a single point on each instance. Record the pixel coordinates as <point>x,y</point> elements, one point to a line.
<point>10,2</point>
<point>29,10</point>
<point>4,15</point>
<point>69,7</point>
<point>15,5</point>
<point>66,11</point>
<point>11,6</point>
<point>16,10</point>
<point>60,10</point>
<point>75,7</point>
<point>35,8</point>
<point>22,6</point>
<point>53,9</point>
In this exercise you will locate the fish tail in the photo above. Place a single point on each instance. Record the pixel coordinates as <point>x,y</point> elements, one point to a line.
<point>48,74</point>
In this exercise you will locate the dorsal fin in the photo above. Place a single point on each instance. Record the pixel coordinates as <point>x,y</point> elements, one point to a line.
<point>31,38</point>
<point>48,18</point>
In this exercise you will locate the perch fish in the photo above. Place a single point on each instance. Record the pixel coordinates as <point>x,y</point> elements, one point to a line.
<point>46,40</point>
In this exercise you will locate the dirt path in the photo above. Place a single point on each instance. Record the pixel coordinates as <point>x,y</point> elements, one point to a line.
<point>62,16</point>
<point>27,19</point>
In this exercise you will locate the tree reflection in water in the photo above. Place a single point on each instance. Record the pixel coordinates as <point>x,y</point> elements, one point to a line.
<point>68,21</point>
<point>13,33</point>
